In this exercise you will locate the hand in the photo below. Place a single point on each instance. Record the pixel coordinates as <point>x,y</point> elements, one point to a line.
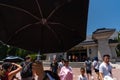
<point>13,63</point>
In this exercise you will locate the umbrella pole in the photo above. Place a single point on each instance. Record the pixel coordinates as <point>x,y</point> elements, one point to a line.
<point>38,56</point>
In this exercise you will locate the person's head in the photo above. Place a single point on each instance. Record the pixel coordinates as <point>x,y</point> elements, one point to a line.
<point>54,60</point>
<point>96,58</point>
<point>106,58</point>
<point>27,58</point>
<point>7,66</point>
<point>87,58</point>
<point>66,62</point>
<point>82,70</point>
<point>62,60</point>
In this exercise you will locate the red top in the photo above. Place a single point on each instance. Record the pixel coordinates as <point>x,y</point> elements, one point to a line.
<point>5,77</point>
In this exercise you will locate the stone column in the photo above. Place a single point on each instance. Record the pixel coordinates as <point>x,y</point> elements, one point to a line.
<point>88,54</point>
<point>102,37</point>
<point>103,48</point>
<point>113,50</point>
<point>65,55</point>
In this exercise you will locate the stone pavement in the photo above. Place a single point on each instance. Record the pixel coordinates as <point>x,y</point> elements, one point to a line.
<point>76,72</point>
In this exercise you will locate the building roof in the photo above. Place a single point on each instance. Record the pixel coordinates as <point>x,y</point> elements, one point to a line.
<point>90,41</point>
<point>103,30</point>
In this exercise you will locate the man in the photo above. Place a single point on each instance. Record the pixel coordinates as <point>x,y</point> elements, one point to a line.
<point>54,66</point>
<point>66,71</point>
<point>105,69</point>
<point>27,72</point>
<point>60,64</point>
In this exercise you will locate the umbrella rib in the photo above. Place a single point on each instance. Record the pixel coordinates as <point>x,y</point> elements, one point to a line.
<point>53,32</point>
<point>24,27</point>
<point>53,11</point>
<point>62,25</point>
<point>40,10</point>
<point>20,9</point>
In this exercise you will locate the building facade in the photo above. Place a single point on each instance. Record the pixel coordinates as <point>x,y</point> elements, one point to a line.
<point>101,42</point>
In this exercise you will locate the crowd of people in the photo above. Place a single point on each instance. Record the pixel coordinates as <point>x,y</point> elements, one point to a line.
<point>103,69</point>
<point>58,70</point>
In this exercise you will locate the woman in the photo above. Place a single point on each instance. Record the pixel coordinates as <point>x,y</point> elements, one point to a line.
<point>66,71</point>
<point>6,73</point>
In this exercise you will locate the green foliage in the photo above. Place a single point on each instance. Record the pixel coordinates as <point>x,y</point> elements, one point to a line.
<point>3,51</point>
<point>119,36</point>
<point>118,46</point>
<point>33,56</point>
<point>6,50</point>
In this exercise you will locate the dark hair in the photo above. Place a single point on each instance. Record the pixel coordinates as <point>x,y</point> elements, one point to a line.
<point>96,58</point>
<point>106,55</point>
<point>82,68</point>
<point>6,65</point>
<point>4,69</point>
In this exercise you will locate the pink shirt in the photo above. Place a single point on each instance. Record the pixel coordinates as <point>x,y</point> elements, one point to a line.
<point>66,73</point>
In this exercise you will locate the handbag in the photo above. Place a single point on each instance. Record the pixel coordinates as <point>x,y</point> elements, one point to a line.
<point>108,78</point>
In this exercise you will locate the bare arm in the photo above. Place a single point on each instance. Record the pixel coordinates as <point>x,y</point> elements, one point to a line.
<point>84,64</point>
<point>101,75</point>
<point>14,72</point>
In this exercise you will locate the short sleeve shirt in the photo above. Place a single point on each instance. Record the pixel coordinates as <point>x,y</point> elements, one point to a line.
<point>105,69</point>
<point>96,64</point>
<point>88,65</point>
<point>60,65</point>
<point>82,77</point>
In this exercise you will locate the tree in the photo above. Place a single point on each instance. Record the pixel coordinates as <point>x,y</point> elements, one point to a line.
<point>3,51</point>
<point>6,50</point>
<point>118,46</point>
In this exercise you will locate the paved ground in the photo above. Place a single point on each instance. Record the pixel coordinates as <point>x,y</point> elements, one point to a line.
<point>76,72</point>
<point>116,73</point>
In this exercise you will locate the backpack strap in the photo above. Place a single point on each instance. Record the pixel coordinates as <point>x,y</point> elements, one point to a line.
<point>25,66</point>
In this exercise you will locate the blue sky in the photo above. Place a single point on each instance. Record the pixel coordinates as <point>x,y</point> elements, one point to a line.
<point>103,14</point>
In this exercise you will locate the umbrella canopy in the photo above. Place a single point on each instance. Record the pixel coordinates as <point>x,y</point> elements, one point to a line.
<point>13,59</point>
<point>45,25</point>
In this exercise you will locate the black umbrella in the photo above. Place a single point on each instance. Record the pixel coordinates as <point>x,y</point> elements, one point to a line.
<point>45,25</point>
<point>13,59</point>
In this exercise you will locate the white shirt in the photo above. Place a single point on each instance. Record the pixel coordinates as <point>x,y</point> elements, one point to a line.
<point>60,65</point>
<point>80,77</point>
<point>96,64</point>
<point>105,69</point>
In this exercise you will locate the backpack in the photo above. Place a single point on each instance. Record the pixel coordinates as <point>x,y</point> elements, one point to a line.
<point>26,70</point>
